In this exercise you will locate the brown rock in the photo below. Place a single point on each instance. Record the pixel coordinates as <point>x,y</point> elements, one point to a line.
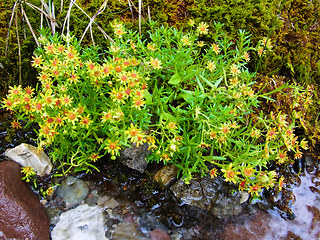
<point>22,215</point>
<point>159,234</point>
<point>166,174</point>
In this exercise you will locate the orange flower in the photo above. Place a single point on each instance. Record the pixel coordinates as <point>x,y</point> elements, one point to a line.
<point>71,53</point>
<point>15,90</point>
<point>225,128</point>
<point>7,103</point>
<point>71,117</point>
<point>246,56</point>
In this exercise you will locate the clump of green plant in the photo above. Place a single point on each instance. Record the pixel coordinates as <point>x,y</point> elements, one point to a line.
<point>190,100</point>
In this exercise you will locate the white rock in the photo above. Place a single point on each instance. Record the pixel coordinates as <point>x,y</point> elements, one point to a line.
<point>81,223</point>
<point>28,155</point>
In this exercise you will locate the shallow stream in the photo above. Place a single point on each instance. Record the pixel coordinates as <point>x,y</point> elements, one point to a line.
<point>293,214</point>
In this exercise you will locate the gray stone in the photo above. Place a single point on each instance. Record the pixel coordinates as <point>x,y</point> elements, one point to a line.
<point>213,195</point>
<point>73,191</point>
<point>135,157</point>
<point>82,223</point>
<point>28,155</point>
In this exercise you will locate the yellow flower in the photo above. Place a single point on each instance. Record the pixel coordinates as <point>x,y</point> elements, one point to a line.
<point>37,60</point>
<point>138,103</point>
<point>112,147</point>
<point>15,124</point>
<point>246,56</point>
<point>107,116</point>
<point>213,172</point>
<point>85,121</point>
<point>234,70</point>
<point>304,144</point>
<point>200,43</point>
<point>155,63</point>
<point>191,22</point>
<point>255,189</point>
<point>119,31</point>
<point>94,157</point>
<point>186,41</point>
<point>66,100</point>
<point>151,47</point>
<point>118,95</point>
<point>211,66</point>
<point>282,156</point>
<point>133,132</point>
<point>229,174</point>
<point>281,183</point>
<point>215,48</point>
<point>203,28</point>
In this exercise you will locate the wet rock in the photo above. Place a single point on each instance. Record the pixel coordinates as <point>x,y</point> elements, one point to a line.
<point>159,234</point>
<point>92,198</point>
<point>125,231</point>
<point>73,191</point>
<point>107,202</point>
<point>135,157</point>
<point>166,174</point>
<point>81,223</point>
<point>213,195</point>
<point>225,205</point>
<point>244,196</point>
<point>22,215</point>
<point>28,155</point>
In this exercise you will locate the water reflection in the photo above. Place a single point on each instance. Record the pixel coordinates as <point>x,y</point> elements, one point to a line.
<point>269,225</point>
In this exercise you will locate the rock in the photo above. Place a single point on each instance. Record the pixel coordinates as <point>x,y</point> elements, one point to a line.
<point>22,215</point>
<point>107,202</point>
<point>125,231</point>
<point>72,190</point>
<point>82,223</point>
<point>135,157</point>
<point>244,196</point>
<point>28,155</point>
<point>213,195</point>
<point>166,174</point>
<point>159,234</point>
